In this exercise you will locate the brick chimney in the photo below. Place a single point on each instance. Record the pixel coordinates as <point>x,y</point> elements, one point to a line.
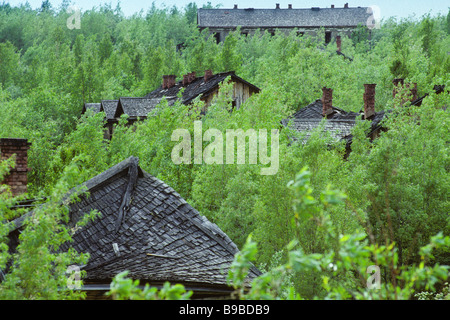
<point>346,6</point>
<point>165,81</point>
<point>277,6</point>
<point>17,178</point>
<point>289,6</point>
<point>327,101</point>
<point>413,91</point>
<point>369,100</point>
<point>188,78</point>
<point>399,85</point>
<point>338,43</point>
<point>171,81</point>
<point>235,6</point>
<point>332,6</point>
<point>191,77</point>
<point>208,75</point>
<point>185,80</point>
<point>396,83</point>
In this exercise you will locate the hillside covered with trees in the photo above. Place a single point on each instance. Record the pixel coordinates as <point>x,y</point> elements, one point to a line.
<point>315,226</point>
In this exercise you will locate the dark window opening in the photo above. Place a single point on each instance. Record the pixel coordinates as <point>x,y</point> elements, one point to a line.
<point>327,37</point>
<point>233,105</point>
<point>244,34</point>
<point>300,33</point>
<point>217,36</point>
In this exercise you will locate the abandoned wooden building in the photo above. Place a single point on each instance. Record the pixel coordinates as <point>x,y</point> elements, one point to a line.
<point>305,21</point>
<point>204,87</point>
<point>147,228</point>
<point>339,123</point>
<point>109,108</point>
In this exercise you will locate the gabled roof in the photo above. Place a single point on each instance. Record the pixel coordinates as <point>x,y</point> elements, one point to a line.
<point>282,18</point>
<point>198,87</point>
<point>135,106</point>
<point>95,107</point>
<point>339,123</point>
<point>141,106</point>
<point>146,227</point>
<point>110,107</point>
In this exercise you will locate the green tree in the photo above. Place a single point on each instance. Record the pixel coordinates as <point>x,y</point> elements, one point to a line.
<point>406,178</point>
<point>123,288</point>
<point>9,66</point>
<point>229,58</point>
<point>105,48</point>
<point>38,266</point>
<point>191,12</point>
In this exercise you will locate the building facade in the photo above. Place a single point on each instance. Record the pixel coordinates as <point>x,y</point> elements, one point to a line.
<point>335,21</point>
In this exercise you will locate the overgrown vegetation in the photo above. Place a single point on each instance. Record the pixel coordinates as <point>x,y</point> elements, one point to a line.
<point>312,241</point>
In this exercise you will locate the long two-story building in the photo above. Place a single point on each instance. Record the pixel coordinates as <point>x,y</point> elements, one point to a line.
<point>335,21</point>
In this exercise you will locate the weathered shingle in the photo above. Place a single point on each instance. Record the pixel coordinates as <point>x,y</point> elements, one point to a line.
<point>149,229</point>
<point>95,107</point>
<point>282,18</point>
<point>135,106</point>
<point>198,87</point>
<point>109,107</point>
<point>339,123</point>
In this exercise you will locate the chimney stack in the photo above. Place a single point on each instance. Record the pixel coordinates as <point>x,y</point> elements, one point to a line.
<point>332,6</point>
<point>369,100</point>
<point>289,6</point>
<point>191,76</point>
<point>208,75</point>
<point>168,81</point>
<point>277,6</point>
<point>165,80</point>
<point>398,86</point>
<point>327,101</point>
<point>413,91</point>
<point>338,43</point>
<point>235,6</point>
<point>346,6</point>
<point>188,78</point>
<point>396,83</point>
<point>171,81</point>
<point>17,178</point>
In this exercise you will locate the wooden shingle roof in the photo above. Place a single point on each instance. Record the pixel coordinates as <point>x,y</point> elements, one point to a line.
<point>135,106</point>
<point>339,123</point>
<point>282,18</point>
<point>147,228</point>
<point>95,107</point>
<point>109,107</point>
<point>198,87</point>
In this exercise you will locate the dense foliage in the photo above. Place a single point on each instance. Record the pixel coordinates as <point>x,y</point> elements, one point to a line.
<point>395,207</point>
